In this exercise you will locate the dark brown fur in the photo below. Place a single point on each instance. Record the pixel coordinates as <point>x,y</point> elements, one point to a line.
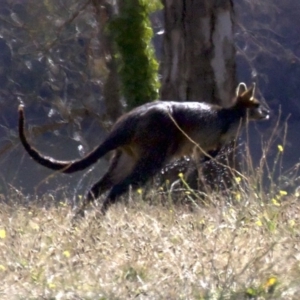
<point>151,135</point>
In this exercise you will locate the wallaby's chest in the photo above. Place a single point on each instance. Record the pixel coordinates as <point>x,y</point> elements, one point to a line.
<point>207,132</point>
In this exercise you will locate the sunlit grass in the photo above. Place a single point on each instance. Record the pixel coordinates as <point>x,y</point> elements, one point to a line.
<point>245,250</point>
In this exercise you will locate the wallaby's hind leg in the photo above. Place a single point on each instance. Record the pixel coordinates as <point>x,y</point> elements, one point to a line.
<point>104,184</point>
<point>144,169</point>
<point>120,166</point>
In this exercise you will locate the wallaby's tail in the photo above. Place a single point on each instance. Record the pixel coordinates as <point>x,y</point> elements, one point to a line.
<point>65,166</point>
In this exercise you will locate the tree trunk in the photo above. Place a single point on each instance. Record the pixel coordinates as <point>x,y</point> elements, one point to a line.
<point>111,86</point>
<point>199,65</point>
<point>199,53</point>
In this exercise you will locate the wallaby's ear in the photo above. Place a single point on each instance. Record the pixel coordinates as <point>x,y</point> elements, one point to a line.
<point>242,88</point>
<point>249,93</point>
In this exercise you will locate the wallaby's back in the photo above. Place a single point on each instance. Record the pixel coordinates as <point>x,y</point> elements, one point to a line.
<point>179,125</point>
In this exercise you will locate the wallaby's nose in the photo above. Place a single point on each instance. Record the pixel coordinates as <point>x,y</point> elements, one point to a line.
<point>265,113</point>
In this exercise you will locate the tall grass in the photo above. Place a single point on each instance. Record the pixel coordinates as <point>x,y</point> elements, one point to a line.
<point>244,245</point>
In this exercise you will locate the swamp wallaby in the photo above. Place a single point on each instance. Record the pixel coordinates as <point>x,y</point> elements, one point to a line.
<point>151,135</point>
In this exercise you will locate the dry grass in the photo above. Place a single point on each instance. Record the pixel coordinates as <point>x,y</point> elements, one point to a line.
<point>245,250</point>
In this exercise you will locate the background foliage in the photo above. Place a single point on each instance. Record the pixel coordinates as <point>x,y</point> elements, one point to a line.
<point>54,57</point>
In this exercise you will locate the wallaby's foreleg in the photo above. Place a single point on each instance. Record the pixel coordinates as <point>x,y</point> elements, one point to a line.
<point>212,154</point>
<point>193,174</point>
<point>146,167</point>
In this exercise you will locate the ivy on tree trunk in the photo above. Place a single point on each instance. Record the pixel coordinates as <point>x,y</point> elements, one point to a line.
<point>138,66</point>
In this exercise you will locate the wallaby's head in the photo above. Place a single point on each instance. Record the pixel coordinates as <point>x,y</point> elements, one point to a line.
<point>245,99</point>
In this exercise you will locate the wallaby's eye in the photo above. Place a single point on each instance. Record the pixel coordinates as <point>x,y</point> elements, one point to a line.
<point>256,105</point>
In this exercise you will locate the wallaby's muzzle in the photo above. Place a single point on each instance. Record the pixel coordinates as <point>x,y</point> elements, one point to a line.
<point>258,113</point>
<point>264,113</point>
